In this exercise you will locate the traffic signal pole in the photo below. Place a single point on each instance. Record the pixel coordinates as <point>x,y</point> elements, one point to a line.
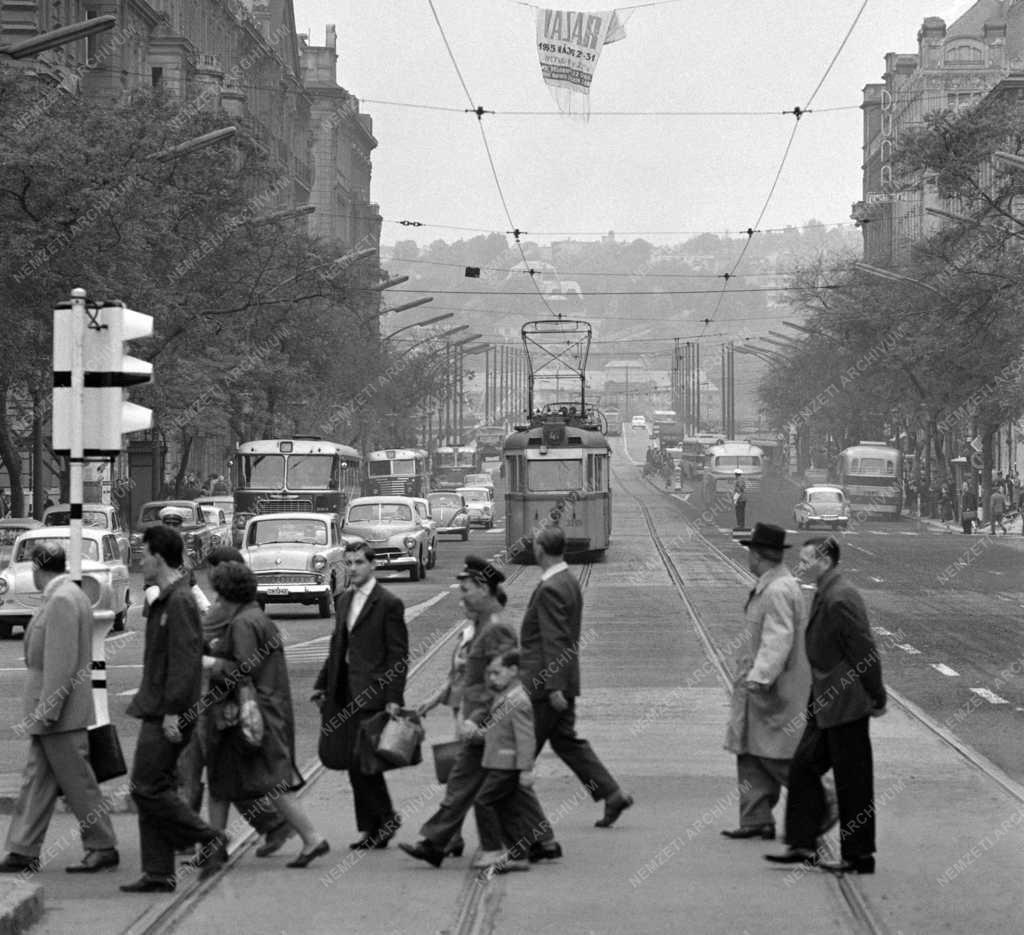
<point>76,458</point>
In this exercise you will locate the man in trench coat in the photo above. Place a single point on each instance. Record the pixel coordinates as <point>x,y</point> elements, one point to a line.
<point>771,680</point>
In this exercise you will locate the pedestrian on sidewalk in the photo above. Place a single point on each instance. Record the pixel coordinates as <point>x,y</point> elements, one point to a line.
<point>968,507</point>
<point>58,708</point>
<point>549,640</point>
<point>846,691</point>
<point>739,499</point>
<point>997,507</point>
<point>509,753</point>
<point>170,688</point>
<point>363,675</point>
<point>251,649</point>
<point>770,684</point>
<point>482,600</point>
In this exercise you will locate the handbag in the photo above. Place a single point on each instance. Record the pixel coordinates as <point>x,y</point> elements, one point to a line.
<point>444,758</point>
<point>105,753</point>
<point>368,739</point>
<point>969,514</point>
<point>242,713</point>
<point>400,739</point>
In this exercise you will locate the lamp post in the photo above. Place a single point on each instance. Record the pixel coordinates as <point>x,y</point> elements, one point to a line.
<point>56,37</point>
<point>420,324</point>
<point>195,144</point>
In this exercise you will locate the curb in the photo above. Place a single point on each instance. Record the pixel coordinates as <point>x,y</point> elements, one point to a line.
<point>21,906</point>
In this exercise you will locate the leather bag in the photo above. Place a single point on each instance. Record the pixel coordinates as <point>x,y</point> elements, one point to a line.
<point>400,739</point>
<point>105,754</point>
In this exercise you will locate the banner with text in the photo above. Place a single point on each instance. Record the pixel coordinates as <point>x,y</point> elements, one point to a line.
<point>569,45</point>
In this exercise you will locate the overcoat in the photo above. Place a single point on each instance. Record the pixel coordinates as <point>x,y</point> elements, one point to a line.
<point>769,722</point>
<point>252,647</point>
<point>364,671</point>
<point>58,660</point>
<point>549,639</point>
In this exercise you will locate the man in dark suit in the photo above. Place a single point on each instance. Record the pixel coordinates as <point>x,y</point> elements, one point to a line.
<point>846,690</point>
<point>364,674</point>
<point>550,670</point>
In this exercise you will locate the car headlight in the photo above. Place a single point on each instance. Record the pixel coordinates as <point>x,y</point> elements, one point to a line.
<point>487,509</point>
<point>240,520</point>
<point>409,542</point>
<point>461,519</point>
<point>319,562</point>
<point>135,538</point>
<point>5,585</point>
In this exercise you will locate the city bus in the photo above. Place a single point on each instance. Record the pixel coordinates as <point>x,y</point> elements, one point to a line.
<point>397,472</point>
<point>452,463</point>
<point>488,441</point>
<point>302,474</point>
<point>871,475</point>
<point>613,421</point>
<point>666,427</point>
<point>721,463</point>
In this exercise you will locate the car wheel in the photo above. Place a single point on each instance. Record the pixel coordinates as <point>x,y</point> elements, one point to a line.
<point>416,572</point>
<point>432,561</point>
<point>323,605</point>
<point>5,631</point>
<point>465,534</point>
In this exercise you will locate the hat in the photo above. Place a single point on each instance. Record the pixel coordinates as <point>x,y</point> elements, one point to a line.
<point>173,516</point>
<point>737,471</point>
<point>481,571</point>
<point>766,536</point>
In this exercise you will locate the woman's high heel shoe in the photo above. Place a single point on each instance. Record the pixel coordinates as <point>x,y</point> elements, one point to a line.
<point>305,858</point>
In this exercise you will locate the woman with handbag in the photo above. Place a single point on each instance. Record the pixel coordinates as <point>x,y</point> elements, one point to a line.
<point>968,507</point>
<point>251,746</point>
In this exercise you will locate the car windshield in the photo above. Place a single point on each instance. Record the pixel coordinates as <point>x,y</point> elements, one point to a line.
<point>90,547</point>
<point>95,518</point>
<point>380,513</point>
<point>307,531</point>
<point>444,501</point>
<point>826,496</point>
<point>210,515</point>
<point>479,479</point>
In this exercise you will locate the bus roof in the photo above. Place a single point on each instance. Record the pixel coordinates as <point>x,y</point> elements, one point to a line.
<point>389,454</point>
<point>299,446</point>
<point>870,449</point>
<point>735,448</point>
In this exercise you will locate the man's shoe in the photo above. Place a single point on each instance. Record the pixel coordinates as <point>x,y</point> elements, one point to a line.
<point>150,885</point>
<point>539,852</point>
<point>19,863</point>
<point>212,856</point>
<point>795,855</point>
<point>853,865</point>
<point>764,832</point>
<point>387,831</point>
<point>365,843</point>
<point>275,840</point>
<point>424,850</point>
<point>614,805</point>
<point>94,861</point>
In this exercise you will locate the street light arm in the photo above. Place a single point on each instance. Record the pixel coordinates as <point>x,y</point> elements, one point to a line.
<point>56,37</point>
<point>195,144</point>
<point>420,324</point>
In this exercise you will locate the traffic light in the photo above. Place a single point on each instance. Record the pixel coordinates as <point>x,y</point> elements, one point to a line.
<point>108,371</point>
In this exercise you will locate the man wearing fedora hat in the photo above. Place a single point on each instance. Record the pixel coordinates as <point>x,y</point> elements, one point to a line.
<point>771,679</point>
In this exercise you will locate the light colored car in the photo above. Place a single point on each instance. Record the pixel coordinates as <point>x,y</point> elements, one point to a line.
<point>480,503</point>
<point>298,558</point>
<point>217,522</point>
<point>10,529</point>
<point>822,505</point>
<point>450,513</point>
<point>638,422</point>
<point>394,531</point>
<point>480,480</point>
<point>430,524</point>
<point>194,531</point>
<point>104,576</point>
<point>227,504</point>
<point>100,515</point>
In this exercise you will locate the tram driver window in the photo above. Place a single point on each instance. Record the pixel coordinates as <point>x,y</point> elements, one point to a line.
<point>555,475</point>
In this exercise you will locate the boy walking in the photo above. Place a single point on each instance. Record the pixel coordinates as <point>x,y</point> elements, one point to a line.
<point>509,744</point>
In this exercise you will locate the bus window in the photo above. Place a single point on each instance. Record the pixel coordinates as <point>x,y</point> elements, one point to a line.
<point>554,475</point>
<point>262,472</point>
<point>310,472</point>
<point>723,462</point>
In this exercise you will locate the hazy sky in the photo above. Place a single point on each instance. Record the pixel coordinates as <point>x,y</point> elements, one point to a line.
<point>629,174</point>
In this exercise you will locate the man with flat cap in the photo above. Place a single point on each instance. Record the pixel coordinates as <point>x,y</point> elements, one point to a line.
<point>484,637</point>
<point>771,679</point>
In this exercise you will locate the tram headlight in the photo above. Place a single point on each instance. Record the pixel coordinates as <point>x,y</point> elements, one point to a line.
<point>410,543</point>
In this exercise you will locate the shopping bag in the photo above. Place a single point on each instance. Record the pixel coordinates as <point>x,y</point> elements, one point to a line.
<point>400,739</point>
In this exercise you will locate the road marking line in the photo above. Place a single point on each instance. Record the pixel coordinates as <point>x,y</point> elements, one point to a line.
<point>943,669</point>
<point>881,631</point>
<point>131,691</point>
<point>877,580</point>
<point>989,696</point>
<point>907,648</point>
<point>862,549</point>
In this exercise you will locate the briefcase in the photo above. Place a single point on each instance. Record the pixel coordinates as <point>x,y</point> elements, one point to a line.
<point>105,752</point>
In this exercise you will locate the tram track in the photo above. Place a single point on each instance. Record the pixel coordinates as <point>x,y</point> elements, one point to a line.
<point>861,912</point>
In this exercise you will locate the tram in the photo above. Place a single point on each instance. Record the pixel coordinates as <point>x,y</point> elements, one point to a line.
<point>399,472</point>
<point>557,467</point>
<point>871,476</point>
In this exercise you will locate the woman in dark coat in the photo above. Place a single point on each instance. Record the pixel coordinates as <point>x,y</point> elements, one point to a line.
<point>251,648</point>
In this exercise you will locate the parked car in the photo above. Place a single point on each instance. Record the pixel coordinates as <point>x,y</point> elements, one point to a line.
<point>298,558</point>
<point>822,505</point>
<point>104,576</point>
<point>430,524</point>
<point>10,529</point>
<point>480,504</point>
<point>480,480</point>
<point>450,513</point>
<point>227,504</point>
<point>220,528</point>
<point>393,529</point>
<point>100,515</point>
<point>638,422</point>
<point>193,528</point>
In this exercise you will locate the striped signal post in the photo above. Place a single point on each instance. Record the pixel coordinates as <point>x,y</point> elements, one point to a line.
<point>90,413</point>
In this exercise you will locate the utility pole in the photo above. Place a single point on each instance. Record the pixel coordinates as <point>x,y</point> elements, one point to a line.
<point>696,381</point>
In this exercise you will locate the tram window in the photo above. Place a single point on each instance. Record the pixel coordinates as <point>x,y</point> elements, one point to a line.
<point>555,475</point>
<point>595,472</point>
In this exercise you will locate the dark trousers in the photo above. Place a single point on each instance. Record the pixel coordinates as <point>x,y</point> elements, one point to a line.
<point>559,729</point>
<point>372,801</point>
<point>498,808</point>
<point>741,514</point>
<point>464,782</point>
<point>166,823</point>
<point>846,750</point>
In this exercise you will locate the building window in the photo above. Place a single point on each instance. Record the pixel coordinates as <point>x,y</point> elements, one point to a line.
<point>964,56</point>
<point>157,75</point>
<point>960,99</point>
